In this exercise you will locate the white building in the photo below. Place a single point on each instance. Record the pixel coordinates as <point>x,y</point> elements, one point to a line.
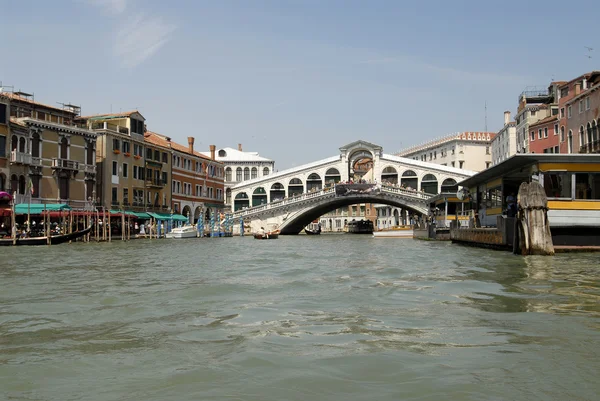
<point>504,145</point>
<point>534,104</point>
<point>465,150</point>
<point>242,166</point>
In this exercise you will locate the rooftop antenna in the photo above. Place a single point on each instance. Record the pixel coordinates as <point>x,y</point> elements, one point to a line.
<point>485,116</point>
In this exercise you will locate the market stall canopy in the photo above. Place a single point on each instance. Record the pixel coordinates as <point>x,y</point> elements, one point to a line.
<point>38,208</point>
<point>5,196</point>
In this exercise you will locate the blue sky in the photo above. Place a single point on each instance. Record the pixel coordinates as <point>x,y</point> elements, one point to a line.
<point>297,79</point>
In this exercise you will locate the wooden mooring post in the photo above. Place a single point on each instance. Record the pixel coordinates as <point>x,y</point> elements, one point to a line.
<point>532,228</point>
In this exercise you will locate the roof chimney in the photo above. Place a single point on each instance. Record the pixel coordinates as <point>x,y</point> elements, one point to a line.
<point>212,151</point>
<point>240,147</point>
<point>506,117</point>
<point>191,144</point>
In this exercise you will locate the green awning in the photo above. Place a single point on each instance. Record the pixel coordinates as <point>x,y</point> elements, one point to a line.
<point>160,216</point>
<point>37,208</point>
<point>119,212</point>
<point>141,215</point>
<point>180,217</point>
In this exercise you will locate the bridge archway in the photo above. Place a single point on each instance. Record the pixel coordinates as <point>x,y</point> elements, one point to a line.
<point>314,183</point>
<point>409,179</point>
<point>277,192</point>
<point>429,184</point>
<point>389,175</point>
<point>186,211</point>
<point>259,197</point>
<point>241,201</point>
<point>332,176</point>
<point>295,187</point>
<point>297,223</point>
<point>449,185</point>
<point>360,162</point>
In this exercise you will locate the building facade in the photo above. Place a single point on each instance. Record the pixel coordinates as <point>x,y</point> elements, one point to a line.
<point>465,150</point>
<point>241,166</point>
<point>504,144</point>
<point>50,159</point>
<point>544,135</point>
<point>535,104</point>
<point>338,219</point>
<point>569,112</point>
<point>4,140</point>
<point>583,116</point>
<point>197,181</point>
<point>121,161</point>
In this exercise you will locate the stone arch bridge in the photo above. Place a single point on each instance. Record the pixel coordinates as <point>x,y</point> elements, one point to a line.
<point>361,173</point>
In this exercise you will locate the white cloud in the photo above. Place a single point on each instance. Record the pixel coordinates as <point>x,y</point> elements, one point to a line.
<point>140,39</point>
<point>113,6</point>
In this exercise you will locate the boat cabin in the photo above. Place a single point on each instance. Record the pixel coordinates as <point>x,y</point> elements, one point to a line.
<point>571,183</point>
<point>447,210</point>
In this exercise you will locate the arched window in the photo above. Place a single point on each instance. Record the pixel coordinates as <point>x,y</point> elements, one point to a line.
<point>246,174</point>
<point>581,136</point>
<point>429,184</point>
<point>570,142</point>
<point>562,133</point>
<point>22,185</point>
<point>222,153</point>
<point>22,145</point>
<point>389,175</point>
<point>14,184</point>
<point>64,148</point>
<point>238,174</point>
<point>228,175</point>
<point>228,195</point>
<point>35,145</point>
<point>254,172</point>
<point>265,171</point>
<point>14,143</point>
<point>314,183</point>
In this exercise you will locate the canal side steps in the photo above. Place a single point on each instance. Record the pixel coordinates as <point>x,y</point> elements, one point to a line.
<point>532,229</point>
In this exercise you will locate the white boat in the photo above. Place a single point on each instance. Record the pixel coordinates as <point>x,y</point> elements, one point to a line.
<point>187,231</point>
<point>396,232</point>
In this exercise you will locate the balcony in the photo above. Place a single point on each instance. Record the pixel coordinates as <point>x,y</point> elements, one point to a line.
<point>104,126</point>
<point>90,169</point>
<point>155,182</point>
<point>590,147</point>
<point>17,157</point>
<point>65,164</point>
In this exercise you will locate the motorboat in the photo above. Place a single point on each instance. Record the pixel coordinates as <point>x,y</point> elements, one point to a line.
<point>187,231</point>
<point>394,232</point>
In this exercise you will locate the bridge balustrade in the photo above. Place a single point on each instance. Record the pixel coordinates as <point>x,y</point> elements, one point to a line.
<point>325,192</point>
<point>404,191</point>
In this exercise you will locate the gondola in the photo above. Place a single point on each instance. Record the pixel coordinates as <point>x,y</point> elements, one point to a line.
<point>54,239</point>
<point>271,235</point>
<point>312,232</point>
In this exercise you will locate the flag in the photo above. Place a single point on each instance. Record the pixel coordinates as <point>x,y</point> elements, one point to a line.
<point>30,186</point>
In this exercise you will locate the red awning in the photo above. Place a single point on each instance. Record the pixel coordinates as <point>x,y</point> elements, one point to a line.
<point>5,212</point>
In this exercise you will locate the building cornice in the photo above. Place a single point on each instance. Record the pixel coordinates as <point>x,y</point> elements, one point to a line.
<point>58,127</point>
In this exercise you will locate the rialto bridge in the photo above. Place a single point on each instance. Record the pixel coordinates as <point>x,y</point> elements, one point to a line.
<point>292,198</point>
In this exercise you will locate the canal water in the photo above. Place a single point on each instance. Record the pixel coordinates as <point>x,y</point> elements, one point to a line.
<point>330,317</point>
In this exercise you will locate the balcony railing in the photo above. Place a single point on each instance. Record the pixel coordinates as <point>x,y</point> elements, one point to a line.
<point>24,158</point>
<point>65,164</point>
<point>154,182</point>
<point>110,127</point>
<point>88,168</point>
<point>590,147</point>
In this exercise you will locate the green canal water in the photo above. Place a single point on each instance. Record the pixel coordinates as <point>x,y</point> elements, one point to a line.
<point>336,317</point>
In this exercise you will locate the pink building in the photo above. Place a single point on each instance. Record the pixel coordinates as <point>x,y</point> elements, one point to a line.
<point>568,91</point>
<point>544,135</point>
<point>583,115</point>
